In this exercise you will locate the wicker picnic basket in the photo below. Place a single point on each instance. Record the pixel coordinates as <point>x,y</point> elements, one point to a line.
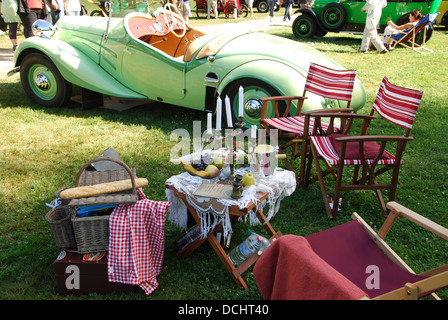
<point>92,233</point>
<point>59,221</point>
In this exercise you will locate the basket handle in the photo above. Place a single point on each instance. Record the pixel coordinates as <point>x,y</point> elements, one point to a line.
<point>78,176</point>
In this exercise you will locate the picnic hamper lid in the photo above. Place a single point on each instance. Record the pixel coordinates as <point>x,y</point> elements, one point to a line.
<point>87,178</point>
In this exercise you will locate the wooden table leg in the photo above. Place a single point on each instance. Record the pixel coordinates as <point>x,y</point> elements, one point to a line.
<point>215,245</point>
<point>267,226</point>
<point>235,272</point>
<point>225,260</point>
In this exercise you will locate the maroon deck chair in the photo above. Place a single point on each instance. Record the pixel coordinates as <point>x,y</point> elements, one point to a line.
<point>333,85</point>
<point>349,261</point>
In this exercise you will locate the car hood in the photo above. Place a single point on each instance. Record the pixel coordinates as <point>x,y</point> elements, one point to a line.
<point>265,46</point>
<point>86,24</point>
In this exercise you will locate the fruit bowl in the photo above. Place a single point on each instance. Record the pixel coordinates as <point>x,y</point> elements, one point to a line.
<point>204,171</point>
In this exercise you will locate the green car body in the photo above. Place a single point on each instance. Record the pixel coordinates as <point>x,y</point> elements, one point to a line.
<point>337,16</point>
<point>78,53</point>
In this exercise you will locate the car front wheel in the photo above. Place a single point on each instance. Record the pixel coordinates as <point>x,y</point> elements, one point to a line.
<point>262,6</point>
<point>43,82</point>
<point>254,90</point>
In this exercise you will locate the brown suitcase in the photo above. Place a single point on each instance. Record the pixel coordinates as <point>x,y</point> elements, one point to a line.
<point>75,276</point>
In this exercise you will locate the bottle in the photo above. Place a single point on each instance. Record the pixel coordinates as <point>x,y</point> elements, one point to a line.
<point>245,249</point>
<point>188,237</point>
<point>265,243</point>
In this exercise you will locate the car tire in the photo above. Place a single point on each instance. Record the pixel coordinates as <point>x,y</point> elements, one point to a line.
<point>53,90</point>
<point>201,11</point>
<point>254,90</point>
<point>262,6</point>
<point>96,13</point>
<point>333,16</point>
<point>445,20</point>
<point>304,26</point>
<point>241,13</point>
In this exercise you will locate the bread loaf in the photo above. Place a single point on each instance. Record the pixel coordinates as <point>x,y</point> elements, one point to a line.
<point>101,188</point>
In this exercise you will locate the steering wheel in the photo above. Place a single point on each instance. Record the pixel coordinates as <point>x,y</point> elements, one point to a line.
<point>172,10</point>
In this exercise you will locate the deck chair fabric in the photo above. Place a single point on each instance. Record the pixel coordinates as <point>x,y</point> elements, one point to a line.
<point>362,262</point>
<point>291,270</point>
<point>366,153</point>
<point>399,37</point>
<point>322,81</point>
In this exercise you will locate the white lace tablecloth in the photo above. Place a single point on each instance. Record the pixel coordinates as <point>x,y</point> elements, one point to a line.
<point>212,212</point>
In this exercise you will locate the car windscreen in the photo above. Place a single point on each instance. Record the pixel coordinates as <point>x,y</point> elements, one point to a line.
<point>120,8</point>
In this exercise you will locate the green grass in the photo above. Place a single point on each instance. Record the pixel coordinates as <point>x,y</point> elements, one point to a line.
<point>41,151</point>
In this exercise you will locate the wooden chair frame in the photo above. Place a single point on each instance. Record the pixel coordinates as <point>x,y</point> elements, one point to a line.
<point>366,171</point>
<point>298,144</point>
<point>437,277</point>
<point>332,263</point>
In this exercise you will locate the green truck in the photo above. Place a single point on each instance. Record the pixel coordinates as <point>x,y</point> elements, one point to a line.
<point>346,16</point>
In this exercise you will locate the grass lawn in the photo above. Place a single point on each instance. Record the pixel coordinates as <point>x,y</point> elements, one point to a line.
<point>41,151</point>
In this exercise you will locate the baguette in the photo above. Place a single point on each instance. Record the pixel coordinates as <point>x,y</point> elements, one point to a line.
<point>101,188</point>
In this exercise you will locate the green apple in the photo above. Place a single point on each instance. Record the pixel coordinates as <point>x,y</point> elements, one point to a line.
<point>218,162</point>
<point>248,179</point>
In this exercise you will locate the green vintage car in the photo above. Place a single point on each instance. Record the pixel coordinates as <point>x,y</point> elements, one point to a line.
<point>158,56</point>
<point>346,16</point>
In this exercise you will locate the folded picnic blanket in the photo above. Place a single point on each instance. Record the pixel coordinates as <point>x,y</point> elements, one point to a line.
<point>290,270</point>
<point>136,243</point>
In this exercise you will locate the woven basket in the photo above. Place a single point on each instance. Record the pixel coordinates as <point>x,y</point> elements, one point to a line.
<point>59,221</point>
<point>92,233</point>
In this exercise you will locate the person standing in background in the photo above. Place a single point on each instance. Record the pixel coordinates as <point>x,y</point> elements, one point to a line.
<point>374,10</point>
<point>58,12</point>
<point>72,8</point>
<point>9,11</point>
<point>186,10</point>
<point>31,10</point>
<point>250,4</point>
<point>271,4</point>
<point>288,4</point>
<point>212,4</point>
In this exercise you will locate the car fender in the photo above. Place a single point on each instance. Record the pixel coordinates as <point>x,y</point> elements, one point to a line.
<point>312,14</point>
<point>70,62</point>
<point>287,81</point>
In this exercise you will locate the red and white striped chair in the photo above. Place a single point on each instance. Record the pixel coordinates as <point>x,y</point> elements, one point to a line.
<point>322,81</point>
<point>397,105</point>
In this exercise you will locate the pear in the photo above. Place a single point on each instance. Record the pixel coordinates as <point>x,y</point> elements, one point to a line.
<point>248,179</point>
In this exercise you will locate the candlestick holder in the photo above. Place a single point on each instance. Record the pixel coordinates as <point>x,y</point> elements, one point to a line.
<point>230,144</point>
<point>209,138</point>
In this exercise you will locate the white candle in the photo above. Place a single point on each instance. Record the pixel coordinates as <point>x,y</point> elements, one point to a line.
<point>253,132</point>
<point>209,123</point>
<point>218,113</point>
<point>228,113</point>
<point>241,99</point>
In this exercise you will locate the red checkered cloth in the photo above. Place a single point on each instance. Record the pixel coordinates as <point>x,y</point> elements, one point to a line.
<point>136,243</point>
